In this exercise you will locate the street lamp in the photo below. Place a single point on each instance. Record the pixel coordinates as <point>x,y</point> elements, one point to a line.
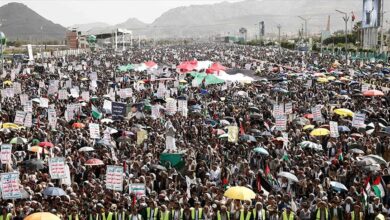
<point>305,20</point>
<point>3,40</point>
<point>345,18</point>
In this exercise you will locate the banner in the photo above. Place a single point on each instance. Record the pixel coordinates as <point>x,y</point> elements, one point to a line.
<point>17,88</point>
<point>28,106</point>
<point>19,117</point>
<point>358,120</point>
<point>233,134</point>
<point>280,123</point>
<point>10,186</point>
<point>317,116</point>
<point>114,178</point>
<point>57,167</point>
<point>138,189</point>
<point>118,110</point>
<point>85,96</point>
<point>44,103</point>
<point>23,98</point>
<point>334,129</point>
<point>155,111</point>
<point>28,120</point>
<point>52,118</point>
<point>94,131</point>
<point>171,107</point>
<point>288,108</point>
<point>6,152</point>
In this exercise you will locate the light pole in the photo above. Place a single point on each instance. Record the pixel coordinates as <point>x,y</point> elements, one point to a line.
<point>2,42</point>
<point>305,20</point>
<point>280,42</point>
<point>345,18</point>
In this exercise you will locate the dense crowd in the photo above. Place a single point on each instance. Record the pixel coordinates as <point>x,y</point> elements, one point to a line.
<point>324,178</point>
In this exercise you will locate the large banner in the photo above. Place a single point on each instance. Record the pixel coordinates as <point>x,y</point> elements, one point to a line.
<point>138,189</point>
<point>10,186</point>
<point>118,110</point>
<point>5,155</point>
<point>114,178</point>
<point>371,13</point>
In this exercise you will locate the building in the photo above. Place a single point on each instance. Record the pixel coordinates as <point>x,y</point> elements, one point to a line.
<point>72,39</point>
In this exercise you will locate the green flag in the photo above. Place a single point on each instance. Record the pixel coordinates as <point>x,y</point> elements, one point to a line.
<point>96,114</point>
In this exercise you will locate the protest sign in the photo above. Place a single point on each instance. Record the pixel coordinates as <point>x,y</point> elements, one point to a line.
<point>118,110</point>
<point>94,131</point>
<point>280,122</point>
<point>19,117</point>
<point>233,134</point>
<point>6,152</point>
<point>62,94</point>
<point>44,102</point>
<point>171,107</point>
<point>317,116</point>
<point>288,108</point>
<point>107,106</point>
<point>23,98</point>
<point>85,96</point>
<point>28,120</point>
<point>10,186</point>
<point>138,189</point>
<point>365,87</point>
<point>28,106</point>
<point>334,131</point>
<point>155,111</point>
<point>114,178</point>
<point>141,136</point>
<point>52,117</point>
<point>358,120</point>
<point>57,168</point>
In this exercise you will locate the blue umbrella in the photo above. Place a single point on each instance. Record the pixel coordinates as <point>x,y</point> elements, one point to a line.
<point>338,186</point>
<point>344,128</point>
<point>196,107</point>
<point>248,138</point>
<point>261,150</point>
<point>54,191</point>
<point>343,92</point>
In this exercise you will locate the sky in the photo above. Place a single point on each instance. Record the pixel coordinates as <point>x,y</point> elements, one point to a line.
<point>70,12</point>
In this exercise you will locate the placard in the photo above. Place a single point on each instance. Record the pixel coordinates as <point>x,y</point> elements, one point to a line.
<point>365,87</point>
<point>118,110</point>
<point>171,107</point>
<point>17,88</point>
<point>44,102</point>
<point>10,186</point>
<point>28,120</point>
<point>141,136</point>
<point>138,189</point>
<point>52,118</point>
<point>358,120</point>
<point>62,94</point>
<point>280,122</point>
<point>19,117</point>
<point>85,96</point>
<point>317,116</point>
<point>6,153</point>
<point>94,131</point>
<point>57,168</point>
<point>334,130</point>
<point>23,98</point>
<point>28,106</point>
<point>288,108</point>
<point>155,111</point>
<point>114,178</point>
<point>233,134</point>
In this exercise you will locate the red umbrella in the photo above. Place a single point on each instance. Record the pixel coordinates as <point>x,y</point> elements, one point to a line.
<point>46,144</point>
<point>93,162</point>
<point>187,66</point>
<point>150,64</point>
<point>309,116</point>
<point>78,125</point>
<point>373,92</point>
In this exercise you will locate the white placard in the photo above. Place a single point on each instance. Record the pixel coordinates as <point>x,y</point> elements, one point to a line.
<point>57,168</point>
<point>6,153</point>
<point>23,98</point>
<point>288,108</point>
<point>280,122</point>
<point>28,120</point>
<point>85,96</point>
<point>10,185</point>
<point>19,117</point>
<point>44,102</point>
<point>334,130</point>
<point>114,178</point>
<point>94,131</point>
<point>358,120</point>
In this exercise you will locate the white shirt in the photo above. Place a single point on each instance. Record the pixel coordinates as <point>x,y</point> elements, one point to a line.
<point>151,213</point>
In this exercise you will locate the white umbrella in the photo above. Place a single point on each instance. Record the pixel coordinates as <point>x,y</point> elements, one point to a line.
<point>289,176</point>
<point>311,145</point>
<point>86,149</point>
<point>224,122</point>
<point>107,120</point>
<point>377,158</point>
<point>338,186</point>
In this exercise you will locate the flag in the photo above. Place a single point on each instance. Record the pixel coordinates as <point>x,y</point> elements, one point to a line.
<point>242,131</point>
<point>339,155</point>
<point>378,188</point>
<point>353,17</point>
<point>267,170</point>
<point>96,114</point>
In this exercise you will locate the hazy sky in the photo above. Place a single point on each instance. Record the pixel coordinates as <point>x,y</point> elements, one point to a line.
<point>69,12</point>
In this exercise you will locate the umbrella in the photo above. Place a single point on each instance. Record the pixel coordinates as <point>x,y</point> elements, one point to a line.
<point>218,131</point>
<point>242,93</point>
<point>309,116</point>
<point>308,127</point>
<point>320,132</point>
<point>322,80</point>
<point>310,145</point>
<point>18,140</point>
<point>344,128</point>
<point>377,158</point>
<point>343,112</point>
<point>93,162</point>
<point>46,144</point>
<point>301,121</point>
<point>248,138</point>
<point>86,149</point>
<point>356,135</point>
<point>255,116</point>
<point>224,122</point>
<point>371,93</point>
<point>78,125</point>
<point>254,109</point>
<point>42,216</point>
<point>107,120</point>
<point>289,176</point>
<point>366,161</point>
<point>223,136</point>
<point>239,193</point>
<point>53,191</point>
<point>34,164</point>
<point>11,126</point>
<point>38,149</point>
<point>266,134</point>
<point>158,167</point>
<point>338,186</point>
<point>356,151</point>
<point>261,150</point>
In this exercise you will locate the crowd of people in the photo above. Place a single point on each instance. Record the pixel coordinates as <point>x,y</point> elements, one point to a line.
<point>294,171</point>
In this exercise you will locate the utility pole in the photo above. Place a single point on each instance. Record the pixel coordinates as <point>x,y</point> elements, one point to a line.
<point>40,48</point>
<point>305,20</point>
<point>381,20</point>
<point>345,18</point>
<point>280,42</point>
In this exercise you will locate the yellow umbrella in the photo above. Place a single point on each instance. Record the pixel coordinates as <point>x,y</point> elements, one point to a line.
<point>322,80</point>
<point>308,127</point>
<point>8,82</point>
<point>37,149</point>
<point>240,193</point>
<point>330,78</point>
<point>320,132</point>
<point>42,216</point>
<point>183,81</point>
<point>10,125</point>
<point>343,112</point>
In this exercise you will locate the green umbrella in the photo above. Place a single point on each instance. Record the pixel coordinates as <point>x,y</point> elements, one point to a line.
<point>261,150</point>
<point>18,140</point>
<point>35,142</point>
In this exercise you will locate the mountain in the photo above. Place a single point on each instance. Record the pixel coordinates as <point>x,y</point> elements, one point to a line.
<point>20,22</point>
<point>224,17</point>
<point>132,23</point>
<point>89,26</point>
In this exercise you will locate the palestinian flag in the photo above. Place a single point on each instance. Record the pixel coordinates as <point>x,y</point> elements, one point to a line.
<point>242,131</point>
<point>339,155</point>
<point>96,114</point>
<point>378,187</point>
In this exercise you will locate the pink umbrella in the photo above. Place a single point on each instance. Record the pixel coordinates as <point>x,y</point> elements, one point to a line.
<point>373,92</point>
<point>216,67</point>
<point>150,64</point>
<point>46,144</point>
<point>94,162</point>
<point>187,66</point>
